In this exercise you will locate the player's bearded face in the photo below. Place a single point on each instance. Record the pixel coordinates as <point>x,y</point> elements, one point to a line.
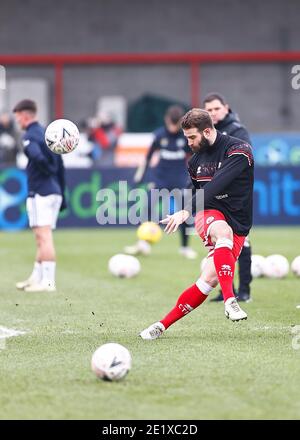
<point>203,143</point>
<point>196,140</point>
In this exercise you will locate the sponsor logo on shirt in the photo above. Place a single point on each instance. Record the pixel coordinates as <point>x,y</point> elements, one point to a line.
<point>222,196</point>
<point>172,155</point>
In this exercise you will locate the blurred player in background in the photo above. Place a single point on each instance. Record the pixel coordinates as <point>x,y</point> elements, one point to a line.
<point>46,185</point>
<point>8,141</point>
<point>228,122</point>
<point>170,172</point>
<point>223,166</point>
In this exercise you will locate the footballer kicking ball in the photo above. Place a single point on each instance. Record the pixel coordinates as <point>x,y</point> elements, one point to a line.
<point>124,266</point>
<point>276,266</point>
<point>150,232</point>
<point>62,136</point>
<point>111,362</point>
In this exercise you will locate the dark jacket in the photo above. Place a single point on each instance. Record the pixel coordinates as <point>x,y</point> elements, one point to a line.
<point>231,125</point>
<point>225,170</point>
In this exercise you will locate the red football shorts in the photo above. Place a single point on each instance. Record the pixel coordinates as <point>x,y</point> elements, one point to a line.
<point>203,222</point>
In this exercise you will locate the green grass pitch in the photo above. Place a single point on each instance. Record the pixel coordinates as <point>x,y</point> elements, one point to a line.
<point>204,367</point>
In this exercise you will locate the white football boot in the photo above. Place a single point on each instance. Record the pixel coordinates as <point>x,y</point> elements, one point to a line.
<point>40,287</point>
<point>22,284</point>
<point>153,332</point>
<point>233,310</point>
<point>188,253</point>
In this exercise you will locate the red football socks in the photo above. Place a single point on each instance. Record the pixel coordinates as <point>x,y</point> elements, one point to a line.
<point>188,301</point>
<point>225,265</point>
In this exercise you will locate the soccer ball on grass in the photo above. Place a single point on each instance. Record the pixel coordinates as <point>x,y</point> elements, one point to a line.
<point>295,266</point>
<point>111,362</point>
<point>276,266</point>
<point>257,265</point>
<point>124,266</point>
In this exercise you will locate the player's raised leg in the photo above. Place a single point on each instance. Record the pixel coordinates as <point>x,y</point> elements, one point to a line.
<point>222,237</point>
<point>189,300</point>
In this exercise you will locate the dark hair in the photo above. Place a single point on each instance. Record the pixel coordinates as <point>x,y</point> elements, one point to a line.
<point>212,96</point>
<point>174,113</point>
<point>25,104</point>
<point>197,118</point>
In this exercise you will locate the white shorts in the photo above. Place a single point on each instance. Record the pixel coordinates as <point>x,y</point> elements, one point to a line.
<point>43,210</point>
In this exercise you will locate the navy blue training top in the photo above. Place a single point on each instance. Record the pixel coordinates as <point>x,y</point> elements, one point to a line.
<point>171,170</point>
<point>45,170</point>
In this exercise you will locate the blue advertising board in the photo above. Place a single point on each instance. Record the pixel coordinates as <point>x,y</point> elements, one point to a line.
<point>276,196</point>
<point>276,149</point>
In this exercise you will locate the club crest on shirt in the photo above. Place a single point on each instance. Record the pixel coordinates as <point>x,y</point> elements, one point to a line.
<point>164,142</point>
<point>209,220</point>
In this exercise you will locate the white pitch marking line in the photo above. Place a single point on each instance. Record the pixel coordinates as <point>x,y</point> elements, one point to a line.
<point>8,333</point>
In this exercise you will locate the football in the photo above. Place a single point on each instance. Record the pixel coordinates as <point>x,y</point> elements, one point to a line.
<point>150,232</point>
<point>257,265</point>
<point>295,266</point>
<point>124,266</point>
<point>62,136</point>
<point>276,266</point>
<point>111,362</point>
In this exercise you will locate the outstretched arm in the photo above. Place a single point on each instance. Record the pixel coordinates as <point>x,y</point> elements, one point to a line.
<point>175,220</point>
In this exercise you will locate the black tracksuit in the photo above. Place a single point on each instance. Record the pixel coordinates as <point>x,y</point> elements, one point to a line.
<point>225,170</point>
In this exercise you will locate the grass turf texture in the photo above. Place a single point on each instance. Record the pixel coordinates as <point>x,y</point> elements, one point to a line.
<point>204,367</point>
